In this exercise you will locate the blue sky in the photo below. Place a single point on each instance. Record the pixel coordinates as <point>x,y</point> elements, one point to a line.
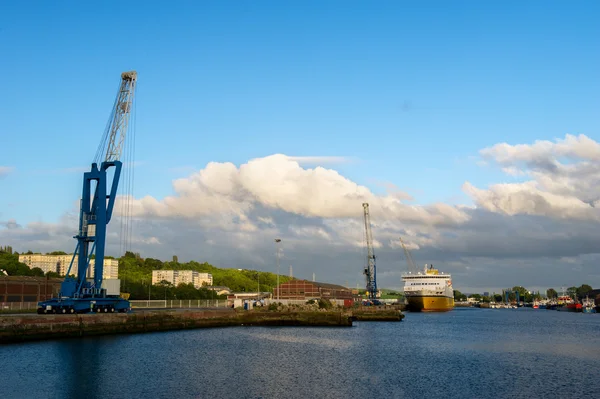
<point>411,91</point>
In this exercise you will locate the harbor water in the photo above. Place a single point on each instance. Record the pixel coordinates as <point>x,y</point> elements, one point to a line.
<point>465,353</point>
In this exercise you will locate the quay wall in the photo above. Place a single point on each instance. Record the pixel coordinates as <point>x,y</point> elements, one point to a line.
<point>27,327</point>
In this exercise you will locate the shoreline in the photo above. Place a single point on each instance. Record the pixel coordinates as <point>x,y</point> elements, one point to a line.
<point>34,327</point>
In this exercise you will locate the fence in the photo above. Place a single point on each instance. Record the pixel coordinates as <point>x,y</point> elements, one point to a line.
<point>18,306</point>
<point>179,303</point>
<point>339,302</point>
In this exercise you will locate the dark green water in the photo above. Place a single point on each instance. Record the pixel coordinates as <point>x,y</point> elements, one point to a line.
<point>466,353</point>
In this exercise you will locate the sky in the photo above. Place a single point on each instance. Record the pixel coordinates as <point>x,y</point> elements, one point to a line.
<point>471,128</point>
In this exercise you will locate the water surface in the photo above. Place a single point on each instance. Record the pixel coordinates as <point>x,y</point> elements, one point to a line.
<point>466,353</point>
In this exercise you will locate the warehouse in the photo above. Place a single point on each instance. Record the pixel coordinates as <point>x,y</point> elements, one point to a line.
<point>304,289</point>
<point>28,289</point>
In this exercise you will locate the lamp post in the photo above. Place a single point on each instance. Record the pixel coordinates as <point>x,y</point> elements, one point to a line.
<point>277,241</point>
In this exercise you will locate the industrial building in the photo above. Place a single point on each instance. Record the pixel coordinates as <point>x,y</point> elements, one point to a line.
<point>28,289</point>
<point>60,264</point>
<point>304,289</point>
<point>177,277</point>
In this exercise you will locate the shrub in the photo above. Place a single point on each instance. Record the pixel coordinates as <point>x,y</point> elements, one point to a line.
<point>324,304</point>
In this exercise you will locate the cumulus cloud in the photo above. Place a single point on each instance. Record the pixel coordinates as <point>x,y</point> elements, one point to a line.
<point>279,182</point>
<point>541,230</point>
<point>562,179</point>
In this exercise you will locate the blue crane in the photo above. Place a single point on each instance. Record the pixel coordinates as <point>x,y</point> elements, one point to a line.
<point>507,294</point>
<point>370,269</point>
<point>80,295</point>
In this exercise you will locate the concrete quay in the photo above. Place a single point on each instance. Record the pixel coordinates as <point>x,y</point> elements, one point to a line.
<point>31,327</point>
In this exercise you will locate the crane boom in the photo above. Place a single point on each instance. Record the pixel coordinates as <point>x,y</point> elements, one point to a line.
<point>370,269</point>
<point>120,116</point>
<point>411,264</point>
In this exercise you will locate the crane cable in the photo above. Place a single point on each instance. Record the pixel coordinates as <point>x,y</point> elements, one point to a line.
<point>126,200</point>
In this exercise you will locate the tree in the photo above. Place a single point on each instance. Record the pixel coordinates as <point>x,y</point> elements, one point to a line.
<point>551,293</point>
<point>572,292</point>
<point>36,271</point>
<point>583,290</point>
<point>459,296</point>
<point>7,249</point>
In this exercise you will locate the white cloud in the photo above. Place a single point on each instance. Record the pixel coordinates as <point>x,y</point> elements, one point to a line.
<point>564,184</point>
<point>279,183</point>
<point>528,233</point>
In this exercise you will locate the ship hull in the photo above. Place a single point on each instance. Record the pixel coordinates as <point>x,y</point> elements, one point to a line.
<point>430,303</point>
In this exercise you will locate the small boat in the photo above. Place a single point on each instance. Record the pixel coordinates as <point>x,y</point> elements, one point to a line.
<point>588,306</point>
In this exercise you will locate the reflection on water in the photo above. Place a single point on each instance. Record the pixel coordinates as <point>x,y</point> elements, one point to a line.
<point>468,353</point>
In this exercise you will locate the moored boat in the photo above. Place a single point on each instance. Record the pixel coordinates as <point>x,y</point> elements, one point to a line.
<point>428,291</point>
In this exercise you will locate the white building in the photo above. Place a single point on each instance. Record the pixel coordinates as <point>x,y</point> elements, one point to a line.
<point>60,264</point>
<point>110,270</point>
<point>205,279</point>
<point>177,277</point>
<point>166,275</point>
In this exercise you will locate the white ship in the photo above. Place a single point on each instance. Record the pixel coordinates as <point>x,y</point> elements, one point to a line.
<point>428,291</point>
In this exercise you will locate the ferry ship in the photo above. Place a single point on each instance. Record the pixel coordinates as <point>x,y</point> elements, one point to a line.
<point>428,291</point>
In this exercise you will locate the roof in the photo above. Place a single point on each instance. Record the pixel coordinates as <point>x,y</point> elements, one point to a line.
<point>31,279</point>
<point>323,285</point>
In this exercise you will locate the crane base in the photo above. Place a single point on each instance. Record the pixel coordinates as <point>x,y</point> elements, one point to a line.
<point>84,305</point>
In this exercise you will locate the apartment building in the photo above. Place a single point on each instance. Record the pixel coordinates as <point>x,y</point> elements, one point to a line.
<point>177,277</point>
<point>60,264</point>
<point>166,275</point>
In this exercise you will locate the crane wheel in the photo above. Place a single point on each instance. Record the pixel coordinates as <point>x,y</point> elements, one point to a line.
<point>112,309</point>
<point>63,310</point>
<point>105,310</point>
<point>71,310</point>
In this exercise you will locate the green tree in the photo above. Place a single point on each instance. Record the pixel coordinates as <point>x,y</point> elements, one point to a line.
<point>551,293</point>
<point>583,290</point>
<point>36,271</point>
<point>10,263</point>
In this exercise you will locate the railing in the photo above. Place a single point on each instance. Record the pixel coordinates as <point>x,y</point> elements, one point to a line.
<point>339,302</point>
<point>11,306</point>
<point>179,303</point>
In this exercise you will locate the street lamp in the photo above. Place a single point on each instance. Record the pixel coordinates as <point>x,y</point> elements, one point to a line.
<point>277,241</point>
